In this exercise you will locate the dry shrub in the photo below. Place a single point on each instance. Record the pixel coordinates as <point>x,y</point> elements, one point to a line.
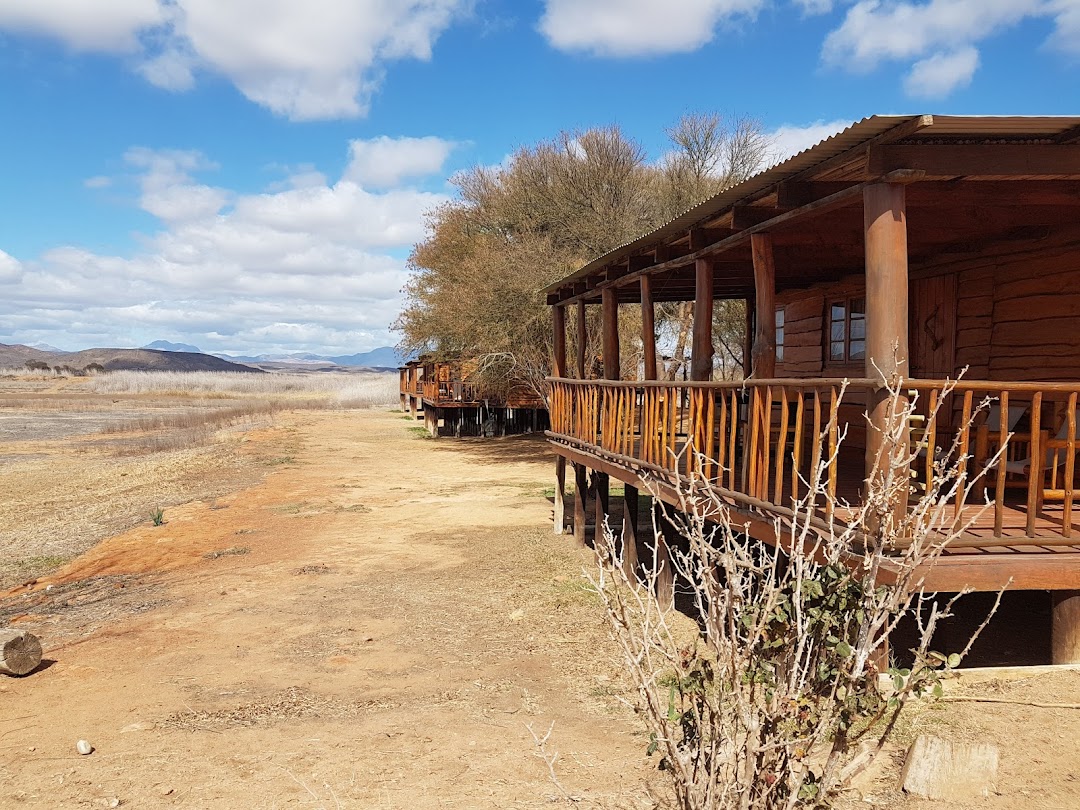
<point>776,694</point>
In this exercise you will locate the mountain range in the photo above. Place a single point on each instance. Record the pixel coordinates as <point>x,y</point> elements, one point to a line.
<point>163,355</point>
<point>382,357</point>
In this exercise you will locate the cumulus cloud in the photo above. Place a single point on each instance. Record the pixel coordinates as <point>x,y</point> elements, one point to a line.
<point>108,25</point>
<point>638,27</point>
<point>939,36</point>
<point>385,162</point>
<point>938,75</point>
<point>313,60</point>
<point>314,265</point>
<point>10,267</point>
<point>790,139</point>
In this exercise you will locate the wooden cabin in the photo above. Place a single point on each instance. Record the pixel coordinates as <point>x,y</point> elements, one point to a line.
<point>913,248</point>
<point>453,400</point>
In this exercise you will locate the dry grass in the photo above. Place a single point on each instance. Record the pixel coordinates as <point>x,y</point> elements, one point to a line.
<point>363,390</point>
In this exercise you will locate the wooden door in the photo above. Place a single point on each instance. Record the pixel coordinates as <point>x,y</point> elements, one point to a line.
<point>932,327</point>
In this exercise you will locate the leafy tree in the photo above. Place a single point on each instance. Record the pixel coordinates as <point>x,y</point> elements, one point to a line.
<point>475,280</point>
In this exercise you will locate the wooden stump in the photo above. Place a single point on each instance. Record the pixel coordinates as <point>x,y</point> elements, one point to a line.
<point>20,652</point>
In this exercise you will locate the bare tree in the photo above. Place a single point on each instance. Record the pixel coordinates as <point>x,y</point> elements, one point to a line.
<point>779,693</point>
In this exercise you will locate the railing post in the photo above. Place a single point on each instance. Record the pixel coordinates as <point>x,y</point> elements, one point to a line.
<point>885,229</point>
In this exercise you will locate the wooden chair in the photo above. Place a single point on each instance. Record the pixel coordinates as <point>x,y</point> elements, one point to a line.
<point>988,434</point>
<point>1054,464</point>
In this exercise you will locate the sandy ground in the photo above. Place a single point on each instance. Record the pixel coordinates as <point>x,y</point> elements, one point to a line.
<point>376,624</point>
<point>371,619</point>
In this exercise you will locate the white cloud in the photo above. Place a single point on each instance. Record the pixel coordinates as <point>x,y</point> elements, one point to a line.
<point>314,60</point>
<point>938,75</point>
<point>790,139</point>
<point>313,266</point>
<point>106,25</point>
<point>10,267</point>
<point>385,162</point>
<point>638,27</point>
<point>98,181</point>
<point>939,36</point>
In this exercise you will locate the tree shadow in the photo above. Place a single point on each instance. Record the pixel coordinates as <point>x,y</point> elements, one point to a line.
<point>500,450</point>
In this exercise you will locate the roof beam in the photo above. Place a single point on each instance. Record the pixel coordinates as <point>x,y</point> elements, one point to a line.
<point>700,237</point>
<point>976,160</point>
<point>745,216</point>
<point>794,194</point>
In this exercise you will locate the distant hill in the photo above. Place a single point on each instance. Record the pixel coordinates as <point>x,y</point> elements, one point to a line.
<point>166,346</point>
<point>382,357</point>
<point>119,359</point>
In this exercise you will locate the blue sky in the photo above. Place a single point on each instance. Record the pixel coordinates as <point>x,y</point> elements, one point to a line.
<point>249,176</point>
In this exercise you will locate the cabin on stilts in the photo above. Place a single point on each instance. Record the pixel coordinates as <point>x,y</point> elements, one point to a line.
<point>909,248</point>
<point>454,399</point>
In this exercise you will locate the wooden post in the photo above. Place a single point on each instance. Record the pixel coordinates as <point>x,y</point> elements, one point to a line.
<point>601,506</point>
<point>764,351</point>
<point>665,574</point>
<point>558,369</point>
<point>612,364</point>
<point>1065,630</point>
<point>630,532</point>
<point>885,224</point>
<point>582,338</point>
<point>701,357</point>
<point>581,493</point>
<point>748,338</point>
<point>558,341</point>
<point>648,328</point>
<point>631,555</point>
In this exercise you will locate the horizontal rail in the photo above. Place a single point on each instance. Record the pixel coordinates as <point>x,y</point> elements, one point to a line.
<point>763,439</point>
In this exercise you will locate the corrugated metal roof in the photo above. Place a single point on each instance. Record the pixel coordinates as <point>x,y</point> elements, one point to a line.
<point>859,133</point>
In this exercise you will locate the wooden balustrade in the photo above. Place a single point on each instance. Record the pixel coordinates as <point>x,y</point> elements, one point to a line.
<point>762,439</point>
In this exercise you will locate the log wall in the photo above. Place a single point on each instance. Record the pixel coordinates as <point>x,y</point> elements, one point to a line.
<point>1017,318</point>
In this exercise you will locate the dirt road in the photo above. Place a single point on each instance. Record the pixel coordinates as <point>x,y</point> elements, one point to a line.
<point>375,624</point>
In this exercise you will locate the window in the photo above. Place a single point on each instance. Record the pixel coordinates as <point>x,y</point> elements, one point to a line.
<point>779,334</point>
<point>847,330</point>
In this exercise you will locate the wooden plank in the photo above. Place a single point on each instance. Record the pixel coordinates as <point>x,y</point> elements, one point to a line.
<point>976,160</point>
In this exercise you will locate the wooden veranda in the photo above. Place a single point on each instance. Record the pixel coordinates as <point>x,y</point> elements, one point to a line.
<point>902,251</point>
<point>452,402</point>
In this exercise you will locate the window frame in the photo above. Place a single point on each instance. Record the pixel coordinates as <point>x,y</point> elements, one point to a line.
<point>853,305</point>
<point>778,336</point>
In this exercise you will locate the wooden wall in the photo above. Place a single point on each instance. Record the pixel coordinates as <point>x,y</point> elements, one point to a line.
<point>1017,318</point>
<point>804,329</point>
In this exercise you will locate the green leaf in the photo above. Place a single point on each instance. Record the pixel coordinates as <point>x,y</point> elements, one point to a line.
<point>953,660</point>
<point>843,649</point>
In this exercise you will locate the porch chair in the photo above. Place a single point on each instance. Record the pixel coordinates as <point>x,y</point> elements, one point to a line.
<point>988,434</point>
<point>1053,465</point>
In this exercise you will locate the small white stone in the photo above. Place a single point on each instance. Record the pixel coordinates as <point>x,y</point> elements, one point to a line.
<point>84,747</point>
